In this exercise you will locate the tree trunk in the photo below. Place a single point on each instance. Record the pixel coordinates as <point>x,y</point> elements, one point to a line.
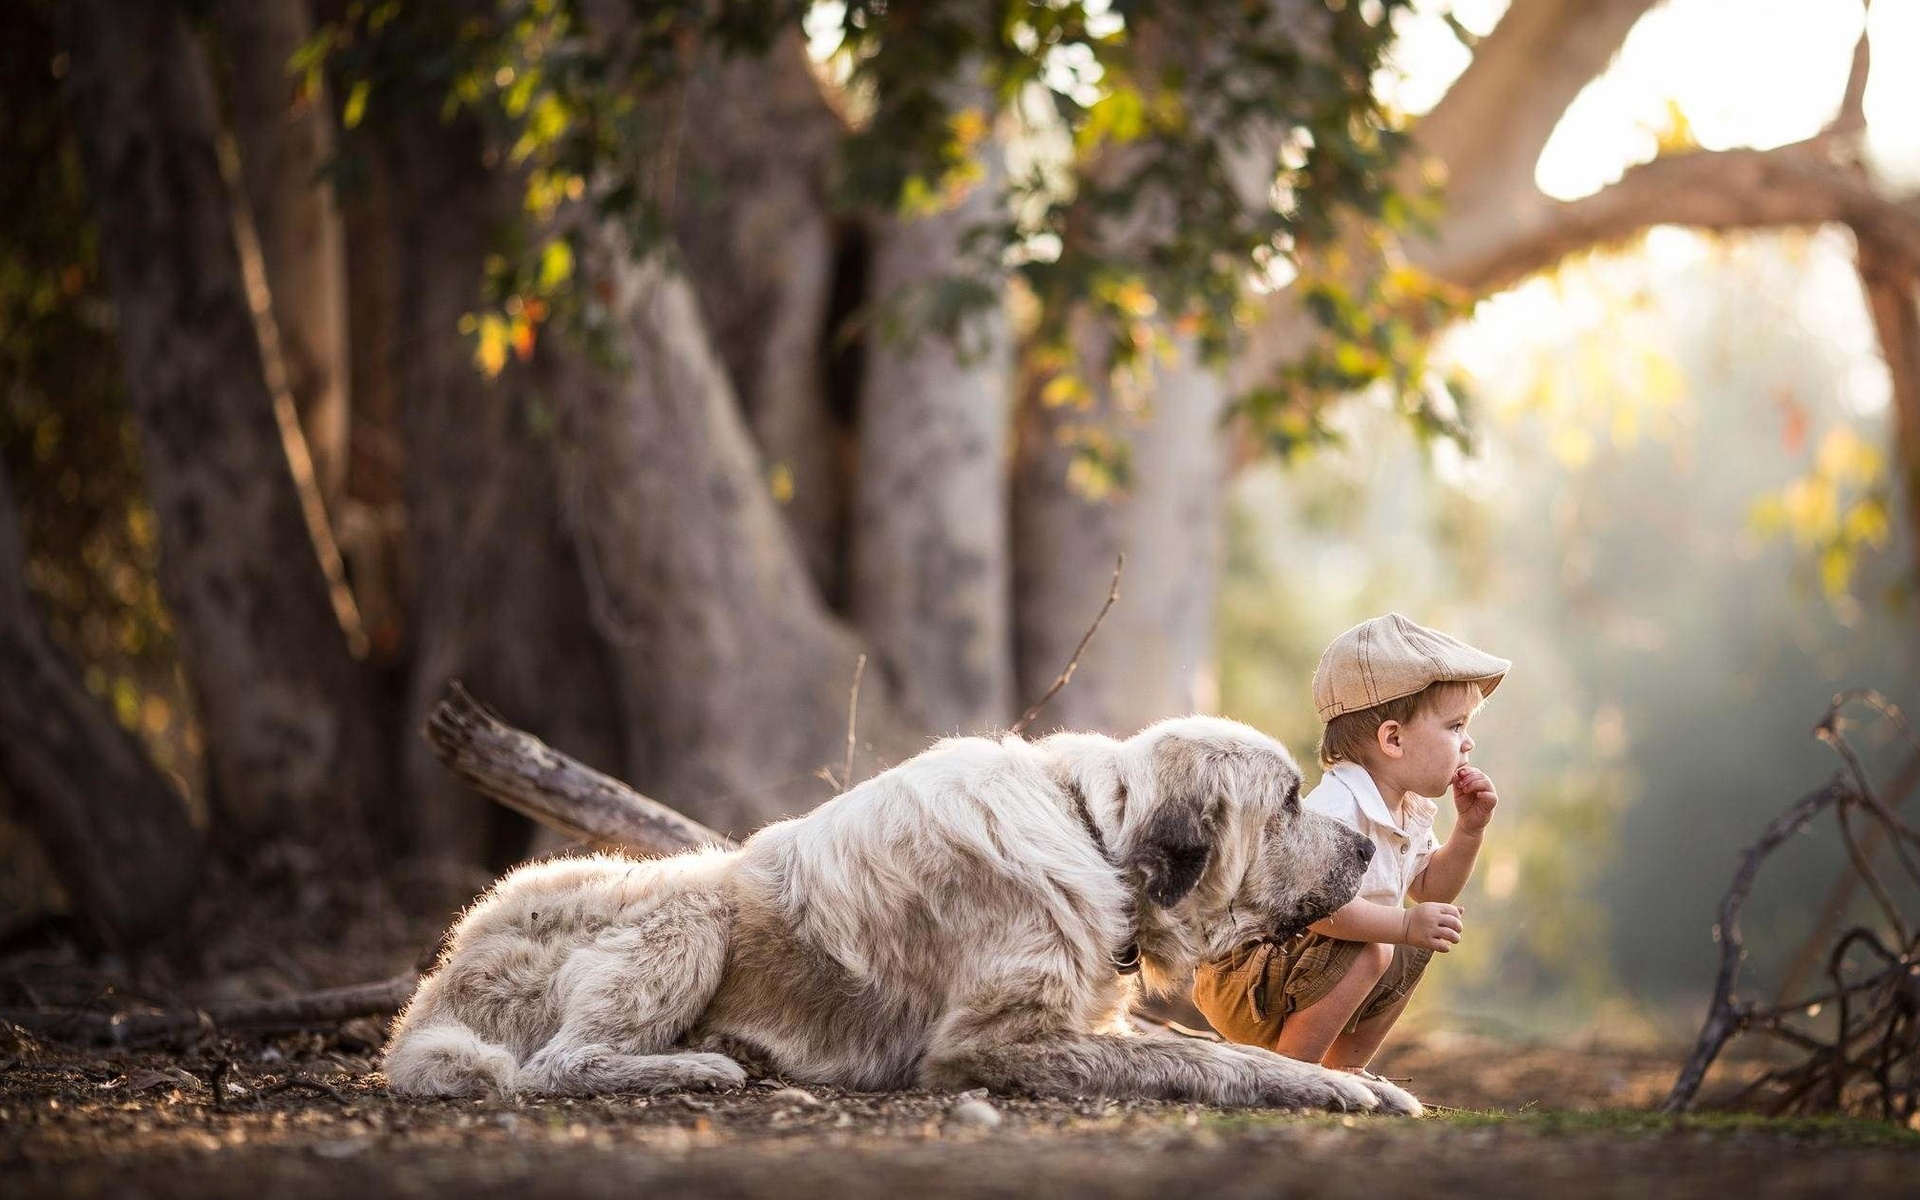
<point>735,677</point>
<point>932,573</point>
<point>1152,657</point>
<point>114,830</point>
<point>1893,302</point>
<point>497,595</point>
<point>294,744</point>
<point>752,220</point>
<point>284,131</point>
<point>371,520</point>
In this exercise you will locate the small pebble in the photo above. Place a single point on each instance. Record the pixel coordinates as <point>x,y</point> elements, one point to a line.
<point>976,1113</point>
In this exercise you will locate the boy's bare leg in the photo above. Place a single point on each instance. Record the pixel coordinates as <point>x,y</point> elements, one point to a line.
<point>1353,1051</point>
<point>1310,1033</point>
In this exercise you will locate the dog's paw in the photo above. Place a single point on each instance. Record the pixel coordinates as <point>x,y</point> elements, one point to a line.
<point>1302,1085</point>
<point>708,1071</point>
<point>1393,1099</point>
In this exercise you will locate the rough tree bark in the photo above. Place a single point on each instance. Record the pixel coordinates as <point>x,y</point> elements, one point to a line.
<point>291,731</point>
<point>497,598</point>
<point>1153,656</point>
<point>733,673</point>
<point>930,537</point>
<point>284,132</point>
<point>754,226</point>
<point>114,830</point>
<point>370,521</point>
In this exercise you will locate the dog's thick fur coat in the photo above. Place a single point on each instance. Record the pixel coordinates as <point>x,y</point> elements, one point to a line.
<point>950,923</point>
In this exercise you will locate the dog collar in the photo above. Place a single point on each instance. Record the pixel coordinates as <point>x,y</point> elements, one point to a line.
<point>1125,960</point>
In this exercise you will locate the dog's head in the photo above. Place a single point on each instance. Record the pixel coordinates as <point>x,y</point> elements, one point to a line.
<point>1221,845</point>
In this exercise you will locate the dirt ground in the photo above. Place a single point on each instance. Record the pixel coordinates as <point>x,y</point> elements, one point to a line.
<point>307,1116</point>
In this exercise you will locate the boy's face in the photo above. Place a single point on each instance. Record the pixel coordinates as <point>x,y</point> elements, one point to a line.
<point>1433,744</point>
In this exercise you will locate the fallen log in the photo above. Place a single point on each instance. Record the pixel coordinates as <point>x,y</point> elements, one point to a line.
<point>522,772</point>
<point>282,1015</point>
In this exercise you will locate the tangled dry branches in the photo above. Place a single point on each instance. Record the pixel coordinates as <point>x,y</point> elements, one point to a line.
<point>1859,1036</point>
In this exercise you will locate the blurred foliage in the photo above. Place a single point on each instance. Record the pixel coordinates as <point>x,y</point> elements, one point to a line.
<point>1382,335</point>
<point>1173,154</point>
<point>1836,512</point>
<point>65,429</point>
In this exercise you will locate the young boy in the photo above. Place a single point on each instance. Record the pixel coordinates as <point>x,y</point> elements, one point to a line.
<point>1395,698</point>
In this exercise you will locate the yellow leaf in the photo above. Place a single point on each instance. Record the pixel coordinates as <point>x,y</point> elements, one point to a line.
<point>356,107</point>
<point>1662,384</point>
<point>126,702</point>
<point>1133,299</point>
<point>1867,524</point>
<point>1118,116</point>
<point>1836,570</point>
<point>1572,445</point>
<point>491,353</point>
<point>1626,425</point>
<point>780,483</point>
<point>969,127</point>
<point>156,715</point>
<point>1767,516</point>
<point>1675,133</point>
<point>1846,457</point>
<point>1352,360</point>
<point>1061,390</point>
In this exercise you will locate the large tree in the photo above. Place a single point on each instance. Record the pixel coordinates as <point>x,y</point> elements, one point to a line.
<point>717,371</point>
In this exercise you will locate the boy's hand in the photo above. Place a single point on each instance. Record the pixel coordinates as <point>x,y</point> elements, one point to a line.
<point>1473,799</point>
<point>1433,926</point>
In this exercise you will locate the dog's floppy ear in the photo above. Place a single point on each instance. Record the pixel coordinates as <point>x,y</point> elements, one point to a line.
<point>1175,843</point>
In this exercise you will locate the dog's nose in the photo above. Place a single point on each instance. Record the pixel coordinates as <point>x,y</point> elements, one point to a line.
<point>1364,852</point>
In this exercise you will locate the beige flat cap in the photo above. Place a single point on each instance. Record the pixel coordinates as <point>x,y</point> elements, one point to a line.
<point>1390,657</point>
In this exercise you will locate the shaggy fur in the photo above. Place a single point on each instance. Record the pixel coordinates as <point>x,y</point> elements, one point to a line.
<point>947,924</point>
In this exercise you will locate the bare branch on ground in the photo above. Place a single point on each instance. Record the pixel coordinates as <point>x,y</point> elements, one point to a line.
<point>279,1015</point>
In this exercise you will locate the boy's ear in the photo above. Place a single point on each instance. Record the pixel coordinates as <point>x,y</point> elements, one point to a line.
<point>1387,737</point>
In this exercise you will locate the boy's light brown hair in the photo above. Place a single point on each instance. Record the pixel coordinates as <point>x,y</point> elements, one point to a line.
<point>1353,737</point>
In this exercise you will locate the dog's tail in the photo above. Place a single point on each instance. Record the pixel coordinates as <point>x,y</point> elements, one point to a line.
<point>449,1059</point>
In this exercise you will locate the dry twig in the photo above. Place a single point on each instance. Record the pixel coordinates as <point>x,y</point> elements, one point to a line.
<point>1073,664</point>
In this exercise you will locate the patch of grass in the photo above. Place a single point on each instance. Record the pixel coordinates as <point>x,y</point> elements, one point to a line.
<point>1831,1131</point>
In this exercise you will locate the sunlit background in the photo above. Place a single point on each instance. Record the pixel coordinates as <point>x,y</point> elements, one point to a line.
<point>1675,519</point>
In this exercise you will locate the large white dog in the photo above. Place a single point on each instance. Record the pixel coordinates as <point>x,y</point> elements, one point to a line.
<point>980,915</point>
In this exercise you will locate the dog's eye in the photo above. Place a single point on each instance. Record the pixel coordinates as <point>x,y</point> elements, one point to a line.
<point>1292,802</point>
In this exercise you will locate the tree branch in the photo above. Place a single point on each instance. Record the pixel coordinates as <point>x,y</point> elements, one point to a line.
<point>1794,185</point>
<point>1490,127</point>
<point>1852,117</point>
<point>531,777</point>
<point>1890,279</point>
<point>255,1016</point>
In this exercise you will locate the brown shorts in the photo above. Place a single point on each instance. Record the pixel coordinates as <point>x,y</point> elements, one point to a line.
<point>1248,995</point>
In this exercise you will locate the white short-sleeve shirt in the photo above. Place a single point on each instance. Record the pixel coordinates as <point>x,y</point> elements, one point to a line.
<point>1401,848</point>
